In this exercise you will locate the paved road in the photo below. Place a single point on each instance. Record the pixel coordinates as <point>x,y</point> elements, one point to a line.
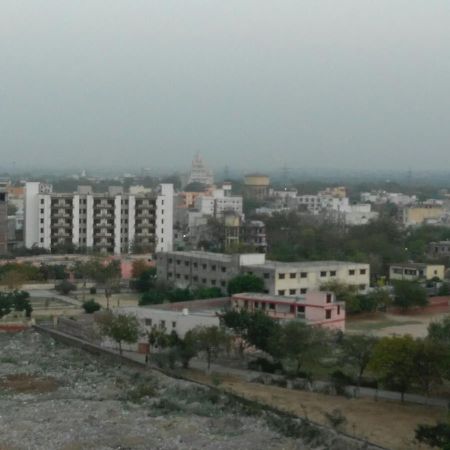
<point>42,293</point>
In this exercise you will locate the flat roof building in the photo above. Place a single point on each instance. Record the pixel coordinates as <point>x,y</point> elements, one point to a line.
<point>416,271</point>
<point>197,268</point>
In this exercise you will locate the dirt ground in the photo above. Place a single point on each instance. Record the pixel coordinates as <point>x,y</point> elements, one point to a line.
<point>390,324</point>
<point>386,423</point>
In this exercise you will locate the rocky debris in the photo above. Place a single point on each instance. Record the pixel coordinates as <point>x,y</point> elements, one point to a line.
<point>57,397</point>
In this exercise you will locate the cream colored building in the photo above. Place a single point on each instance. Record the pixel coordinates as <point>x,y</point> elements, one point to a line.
<point>416,271</point>
<point>421,214</point>
<point>256,186</point>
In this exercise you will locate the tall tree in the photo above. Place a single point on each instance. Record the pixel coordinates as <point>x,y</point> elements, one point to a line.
<point>408,294</point>
<point>107,274</point>
<point>357,351</point>
<point>121,328</point>
<point>394,362</point>
<point>210,340</point>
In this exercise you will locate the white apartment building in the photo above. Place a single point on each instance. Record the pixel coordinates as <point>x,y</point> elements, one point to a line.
<point>112,222</point>
<point>219,202</point>
<point>197,268</point>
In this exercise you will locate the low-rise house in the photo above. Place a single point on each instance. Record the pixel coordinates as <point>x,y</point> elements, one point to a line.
<point>315,308</point>
<point>439,249</point>
<point>416,271</point>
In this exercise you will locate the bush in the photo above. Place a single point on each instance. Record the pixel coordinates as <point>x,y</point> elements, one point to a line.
<point>65,287</point>
<point>264,365</point>
<point>152,298</point>
<point>91,306</point>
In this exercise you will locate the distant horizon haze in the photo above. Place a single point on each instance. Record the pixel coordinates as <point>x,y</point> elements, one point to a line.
<point>250,84</point>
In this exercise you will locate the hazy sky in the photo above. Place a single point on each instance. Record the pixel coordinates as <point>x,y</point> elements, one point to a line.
<point>248,83</point>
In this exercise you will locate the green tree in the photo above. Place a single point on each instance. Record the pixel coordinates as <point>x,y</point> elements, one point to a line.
<point>91,306</point>
<point>408,294</point>
<point>357,352</point>
<point>301,344</point>
<point>107,274</point>
<point>187,348</point>
<point>245,283</point>
<point>431,359</point>
<point>211,340</point>
<point>121,328</point>
<point>393,361</point>
<point>440,331</point>
<point>344,293</point>
<point>145,280</point>
<point>434,435</point>
<point>65,287</point>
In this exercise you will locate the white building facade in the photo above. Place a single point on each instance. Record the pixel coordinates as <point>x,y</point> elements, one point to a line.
<point>112,222</point>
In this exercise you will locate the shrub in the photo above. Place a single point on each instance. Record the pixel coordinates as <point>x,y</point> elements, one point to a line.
<point>91,306</point>
<point>65,287</point>
<point>264,365</point>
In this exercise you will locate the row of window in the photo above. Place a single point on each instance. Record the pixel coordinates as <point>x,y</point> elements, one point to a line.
<point>195,265</point>
<point>196,279</point>
<point>162,323</point>
<point>323,273</point>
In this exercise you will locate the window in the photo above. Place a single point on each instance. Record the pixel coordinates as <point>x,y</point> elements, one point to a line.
<point>362,271</point>
<point>195,278</point>
<point>162,323</point>
<point>224,269</point>
<point>292,275</point>
<point>339,310</point>
<point>213,267</point>
<point>323,274</point>
<point>223,283</point>
<point>169,274</point>
<point>281,276</point>
<point>42,220</point>
<point>351,272</point>
<point>281,292</point>
<point>204,266</point>
<point>292,291</point>
<point>213,282</point>
<point>329,298</point>
<point>271,305</point>
<point>42,201</point>
<point>301,309</point>
<point>178,262</point>
<point>178,275</point>
<point>186,277</point>
<point>42,230</point>
<point>328,314</point>
<point>42,210</point>
<point>186,263</point>
<point>195,265</point>
<point>204,280</point>
<point>303,291</point>
<point>170,260</point>
<point>332,273</point>
<point>148,322</point>
<point>174,324</point>
<point>362,287</point>
<point>42,240</point>
<point>304,275</point>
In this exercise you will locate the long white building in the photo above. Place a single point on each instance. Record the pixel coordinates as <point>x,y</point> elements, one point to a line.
<point>112,222</point>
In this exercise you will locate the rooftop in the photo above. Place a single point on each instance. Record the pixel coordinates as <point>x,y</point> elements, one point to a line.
<point>306,264</point>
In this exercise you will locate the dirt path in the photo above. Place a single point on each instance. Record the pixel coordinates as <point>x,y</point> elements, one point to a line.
<point>386,423</point>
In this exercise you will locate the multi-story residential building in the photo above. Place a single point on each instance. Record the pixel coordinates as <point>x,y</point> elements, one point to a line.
<point>315,308</point>
<point>416,271</point>
<point>112,222</point>
<point>280,278</point>
<point>381,197</point>
<point>200,173</point>
<point>219,202</point>
<point>3,217</point>
<point>439,249</point>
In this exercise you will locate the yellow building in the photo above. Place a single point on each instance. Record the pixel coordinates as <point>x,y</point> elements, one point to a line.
<point>416,271</point>
<point>418,215</point>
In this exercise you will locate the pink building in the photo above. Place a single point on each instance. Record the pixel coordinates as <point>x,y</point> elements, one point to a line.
<point>314,308</point>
